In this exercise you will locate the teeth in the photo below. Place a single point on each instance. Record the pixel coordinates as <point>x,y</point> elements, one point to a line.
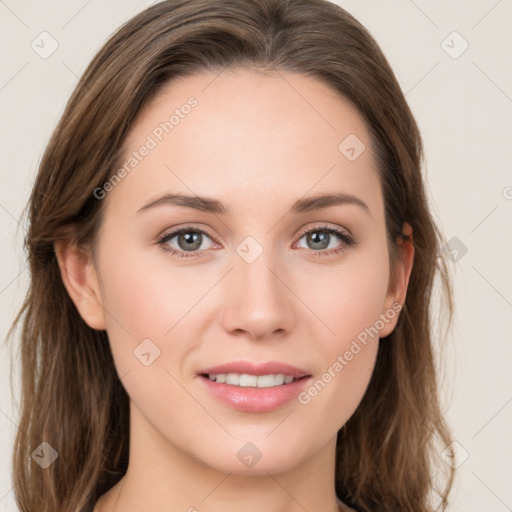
<point>281,379</point>
<point>245,380</point>
<point>232,378</point>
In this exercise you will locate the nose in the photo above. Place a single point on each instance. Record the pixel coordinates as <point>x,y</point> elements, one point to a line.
<point>259,302</point>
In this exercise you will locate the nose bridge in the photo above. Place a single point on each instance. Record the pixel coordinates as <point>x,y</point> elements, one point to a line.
<point>255,270</point>
<point>258,302</point>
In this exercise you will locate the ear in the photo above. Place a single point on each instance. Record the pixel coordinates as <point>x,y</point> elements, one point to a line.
<point>81,282</point>
<point>397,291</point>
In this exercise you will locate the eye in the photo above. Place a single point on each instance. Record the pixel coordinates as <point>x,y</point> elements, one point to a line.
<point>188,239</point>
<point>322,240</point>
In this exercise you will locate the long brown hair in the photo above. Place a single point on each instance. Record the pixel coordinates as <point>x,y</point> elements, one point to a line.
<point>71,395</point>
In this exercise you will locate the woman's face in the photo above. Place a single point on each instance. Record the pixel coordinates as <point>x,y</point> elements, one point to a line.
<point>256,278</point>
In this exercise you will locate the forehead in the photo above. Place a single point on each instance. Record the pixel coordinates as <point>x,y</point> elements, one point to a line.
<point>244,134</point>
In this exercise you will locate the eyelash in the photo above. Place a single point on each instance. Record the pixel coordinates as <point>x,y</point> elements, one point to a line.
<point>347,240</point>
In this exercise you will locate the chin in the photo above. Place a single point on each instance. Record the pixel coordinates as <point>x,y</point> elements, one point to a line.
<point>258,458</point>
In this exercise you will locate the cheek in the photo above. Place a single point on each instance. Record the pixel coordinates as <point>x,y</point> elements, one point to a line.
<point>350,303</point>
<point>144,312</point>
<point>348,297</point>
<point>348,358</point>
<point>142,304</point>
<point>145,299</point>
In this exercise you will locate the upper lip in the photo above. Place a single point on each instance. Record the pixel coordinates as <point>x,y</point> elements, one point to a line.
<point>248,367</point>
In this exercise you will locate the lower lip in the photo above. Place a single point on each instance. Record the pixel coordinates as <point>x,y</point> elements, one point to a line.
<point>252,399</point>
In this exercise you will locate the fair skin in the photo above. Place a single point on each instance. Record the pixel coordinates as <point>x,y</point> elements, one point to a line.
<point>257,145</point>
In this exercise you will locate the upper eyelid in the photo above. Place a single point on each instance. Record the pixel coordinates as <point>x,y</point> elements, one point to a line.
<point>325,227</point>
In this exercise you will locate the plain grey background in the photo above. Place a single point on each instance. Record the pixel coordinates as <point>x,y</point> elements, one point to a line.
<point>452,60</point>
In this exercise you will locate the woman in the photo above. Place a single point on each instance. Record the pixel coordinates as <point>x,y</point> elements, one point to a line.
<point>232,261</point>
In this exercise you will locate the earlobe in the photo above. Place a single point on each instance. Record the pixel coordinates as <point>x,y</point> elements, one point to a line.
<point>81,282</point>
<point>397,292</point>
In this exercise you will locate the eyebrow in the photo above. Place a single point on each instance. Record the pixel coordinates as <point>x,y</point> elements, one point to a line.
<point>210,205</point>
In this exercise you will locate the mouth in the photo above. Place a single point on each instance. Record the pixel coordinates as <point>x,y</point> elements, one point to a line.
<point>253,387</point>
